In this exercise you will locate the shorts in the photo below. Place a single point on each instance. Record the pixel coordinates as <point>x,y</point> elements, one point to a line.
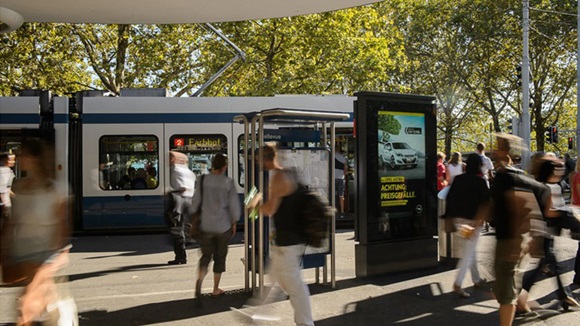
<point>339,187</point>
<point>507,280</point>
<point>214,246</point>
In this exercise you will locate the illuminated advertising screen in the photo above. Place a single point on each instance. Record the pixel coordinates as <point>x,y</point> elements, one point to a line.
<point>395,167</point>
<point>401,161</point>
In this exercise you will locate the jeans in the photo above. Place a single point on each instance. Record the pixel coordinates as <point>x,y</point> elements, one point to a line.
<point>285,269</point>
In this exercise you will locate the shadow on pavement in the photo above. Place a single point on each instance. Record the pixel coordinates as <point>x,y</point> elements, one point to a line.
<point>76,277</point>
<point>164,312</point>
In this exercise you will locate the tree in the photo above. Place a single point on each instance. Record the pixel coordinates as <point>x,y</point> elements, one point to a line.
<point>41,56</point>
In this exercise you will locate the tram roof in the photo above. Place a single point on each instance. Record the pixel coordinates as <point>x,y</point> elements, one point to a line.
<point>293,116</point>
<point>162,12</point>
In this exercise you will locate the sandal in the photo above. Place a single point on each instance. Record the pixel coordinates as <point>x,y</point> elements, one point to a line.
<point>219,294</point>
<point>461,292</point>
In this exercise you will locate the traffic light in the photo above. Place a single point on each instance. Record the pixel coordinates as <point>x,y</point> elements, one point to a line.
<point>570,142</point>
<point>519,74</point>
<point>549,135</point>
<point>554,134</point>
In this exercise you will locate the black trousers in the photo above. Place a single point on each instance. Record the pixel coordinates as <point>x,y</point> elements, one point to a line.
<point>556,267</point>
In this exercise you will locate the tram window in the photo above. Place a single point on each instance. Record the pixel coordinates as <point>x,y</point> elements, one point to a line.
<point>200,149</point>
<point>128,162</point>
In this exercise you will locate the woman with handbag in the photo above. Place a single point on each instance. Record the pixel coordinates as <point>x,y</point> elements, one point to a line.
<point>220,206</point>
<point>467,204</point>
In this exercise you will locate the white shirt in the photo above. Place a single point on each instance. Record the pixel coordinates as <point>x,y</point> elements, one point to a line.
<point>182,177</point>
<point>454,170</point>
<point>486,167</point>
<point>6,177</point>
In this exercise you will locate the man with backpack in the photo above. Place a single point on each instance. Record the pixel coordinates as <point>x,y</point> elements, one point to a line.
<point>291,238</point>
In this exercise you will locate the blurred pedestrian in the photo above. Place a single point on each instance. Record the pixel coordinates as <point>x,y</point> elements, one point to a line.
<point>7,161</point>
<point>340,177</point>
<point>570,165</point>
<point>35,240</point>
<point>550,172</point>
<point>221,209</point>
<point>290,241</point>
<point>441,172</point>
<point>182,182</point>
<point>468,204</point>
<point>455,167</point>
<point>575,187</point>
<point>487,168</point>
<point>516,199</point>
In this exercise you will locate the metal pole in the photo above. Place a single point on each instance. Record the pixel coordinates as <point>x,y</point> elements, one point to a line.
<point>247,188</point>
<point>526,84</point>
<point>253,182</point>
<point>333,224</point>
<point>261,240</point>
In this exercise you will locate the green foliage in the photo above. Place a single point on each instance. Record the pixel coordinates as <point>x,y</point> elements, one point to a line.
<point>388,124</point>
<point>463,52</point>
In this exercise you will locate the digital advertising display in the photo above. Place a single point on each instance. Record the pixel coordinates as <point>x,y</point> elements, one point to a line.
<point>395,182</point>
<point>401,160</point>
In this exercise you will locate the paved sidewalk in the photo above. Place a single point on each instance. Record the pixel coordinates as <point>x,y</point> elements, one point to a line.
<point>124,280</point>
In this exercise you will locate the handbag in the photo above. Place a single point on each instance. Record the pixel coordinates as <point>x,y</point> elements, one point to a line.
<point>195,229</point>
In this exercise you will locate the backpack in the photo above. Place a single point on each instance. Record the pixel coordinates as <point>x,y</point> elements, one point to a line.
<point>316,216</point>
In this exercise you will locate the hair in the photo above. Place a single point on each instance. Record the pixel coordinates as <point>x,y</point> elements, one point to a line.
<point>220,160</point>
<point>455,158</point>
<point>268,152</point>
<point>473,164</point>
<point>4,158</point>
<point>549,167</point>
<point>43,152</point>
<point>480,146</point>
<point>578,165</point>
<point>440,156</point>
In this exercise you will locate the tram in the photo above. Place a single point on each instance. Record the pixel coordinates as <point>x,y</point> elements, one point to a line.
<point>104,143</point>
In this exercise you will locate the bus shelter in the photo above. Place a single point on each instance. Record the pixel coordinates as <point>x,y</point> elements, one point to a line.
<point>307,140</point>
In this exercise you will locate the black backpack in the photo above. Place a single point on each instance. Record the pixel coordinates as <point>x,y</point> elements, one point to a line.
<point>315,217</point>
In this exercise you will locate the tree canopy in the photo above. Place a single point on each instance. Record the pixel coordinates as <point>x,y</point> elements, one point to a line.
<point>464,52</point>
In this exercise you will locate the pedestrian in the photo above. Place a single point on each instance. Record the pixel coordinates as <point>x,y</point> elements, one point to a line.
<point>570,165</point>
<point>182,182</point>
<point>468,203</point>
<point>575,188</point>
<point>220,211</point>
<point>152,181</point>
<point>340,177</point>
<point>441,172</point>
<point>35,240</point>
<point>7,161</point>
<point>550,173</point>
<point>290,241</point>
<point>455,167</point>
<point>487,167</point>
<point>512,194</point>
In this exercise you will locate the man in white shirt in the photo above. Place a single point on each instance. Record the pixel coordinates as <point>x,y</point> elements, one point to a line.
<point>7,161</point>
<point>487,167</point>
<point>182,182</point>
